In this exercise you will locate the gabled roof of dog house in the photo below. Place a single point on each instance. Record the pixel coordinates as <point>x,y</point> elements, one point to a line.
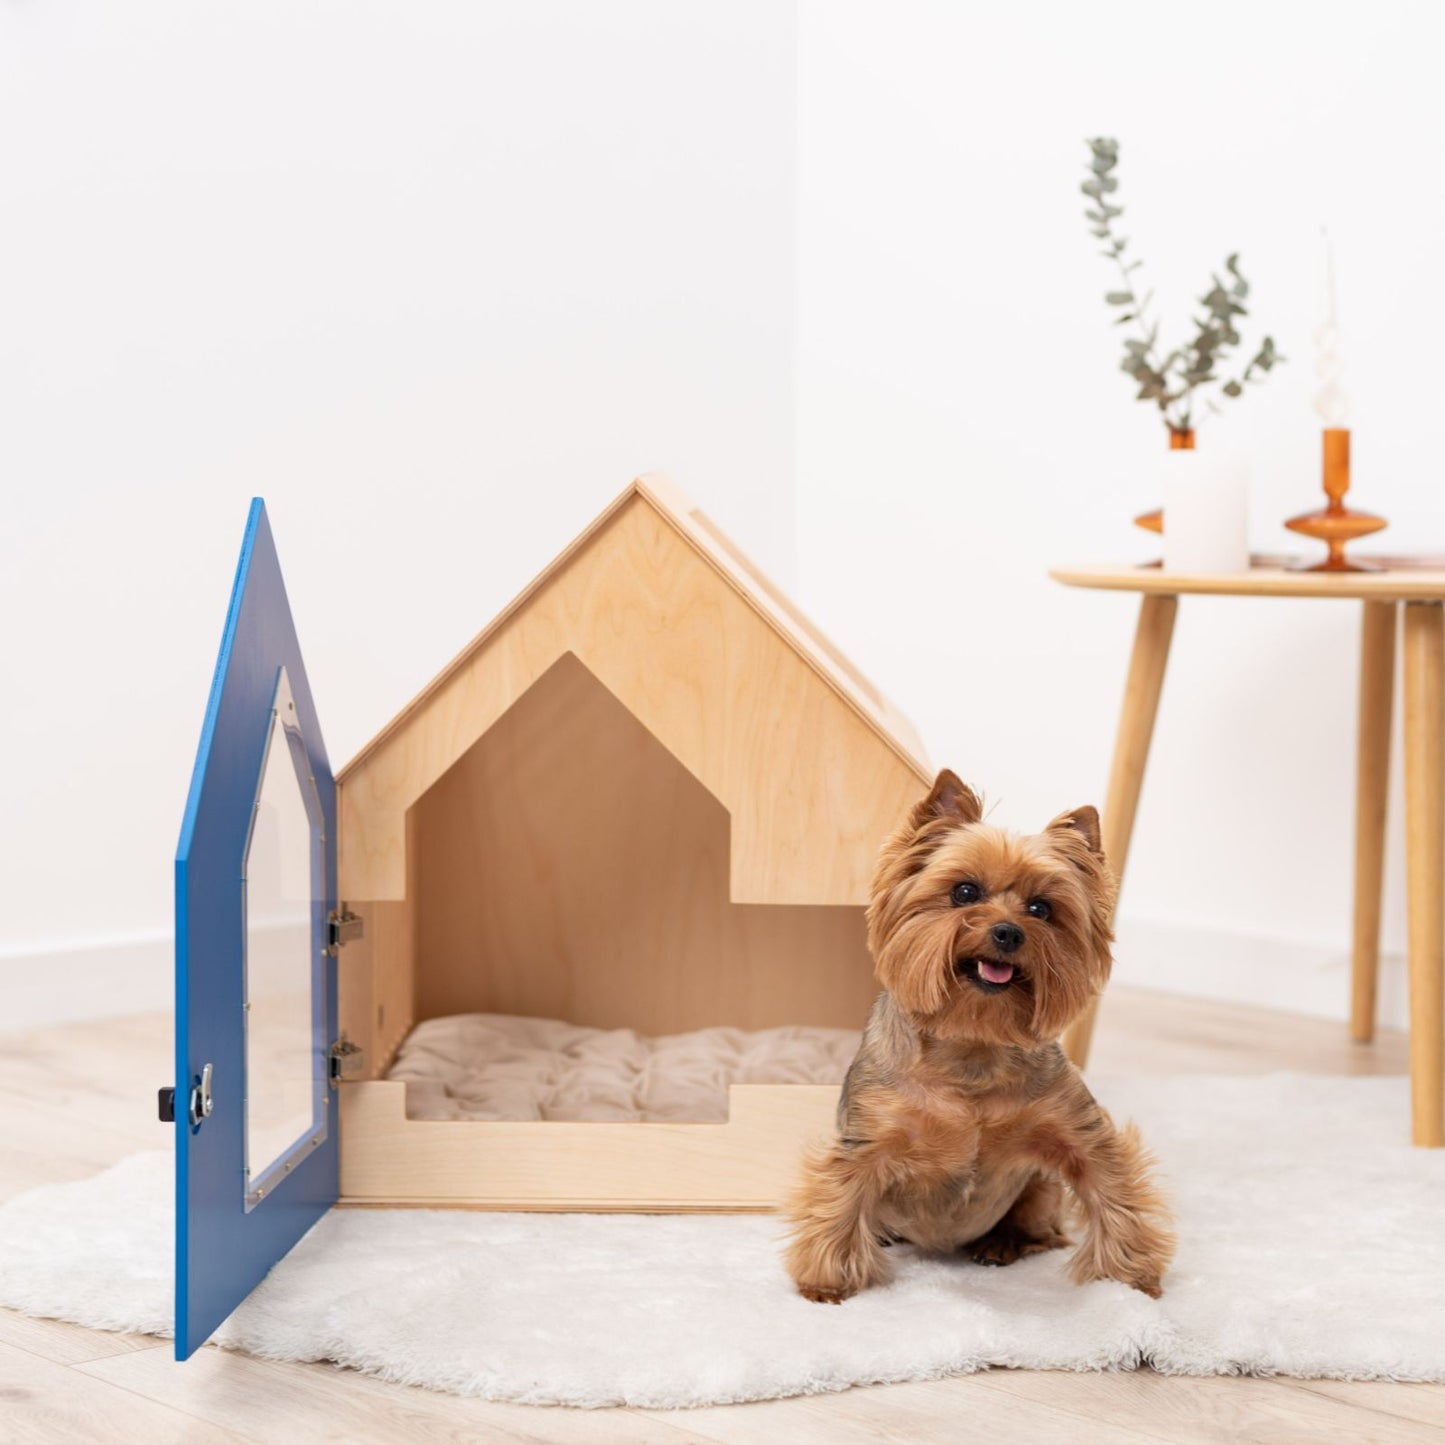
<point>650,518</point>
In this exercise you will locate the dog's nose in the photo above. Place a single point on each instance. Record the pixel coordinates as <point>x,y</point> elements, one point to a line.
<point>1007,937</point>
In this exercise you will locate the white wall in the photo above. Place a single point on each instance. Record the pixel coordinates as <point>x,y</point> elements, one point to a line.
<point>437,280</point>
<point>963,424</point>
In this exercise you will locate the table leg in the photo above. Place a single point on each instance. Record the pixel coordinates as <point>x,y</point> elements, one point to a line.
<point>1424,649</point>
<point>1377,687</point>
<point>1131,752</point>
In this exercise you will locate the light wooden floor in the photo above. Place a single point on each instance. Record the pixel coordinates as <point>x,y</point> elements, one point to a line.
<point>74,1099</point>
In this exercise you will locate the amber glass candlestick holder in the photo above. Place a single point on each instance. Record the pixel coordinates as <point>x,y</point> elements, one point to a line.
<point>1181,439</point>
<point>1337,523</point>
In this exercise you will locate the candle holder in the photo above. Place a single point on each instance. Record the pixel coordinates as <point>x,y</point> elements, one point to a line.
<point>1337,524</point>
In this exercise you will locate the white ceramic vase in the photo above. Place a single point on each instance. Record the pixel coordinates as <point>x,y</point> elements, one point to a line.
<point>1206,512</point>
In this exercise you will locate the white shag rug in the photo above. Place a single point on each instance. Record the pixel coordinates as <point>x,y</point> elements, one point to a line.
<point>1312,1243</point>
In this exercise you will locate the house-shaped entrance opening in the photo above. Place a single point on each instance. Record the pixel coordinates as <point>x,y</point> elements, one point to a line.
<point>568,867</point>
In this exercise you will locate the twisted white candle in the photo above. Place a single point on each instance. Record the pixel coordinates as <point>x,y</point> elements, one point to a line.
<point>1331,401</point>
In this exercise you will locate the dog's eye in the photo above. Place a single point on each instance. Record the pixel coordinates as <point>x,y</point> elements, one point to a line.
<point>1039,908</point>
<point>965,893</point>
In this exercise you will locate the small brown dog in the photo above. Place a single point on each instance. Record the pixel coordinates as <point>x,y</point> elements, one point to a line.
<point>961,1122</point>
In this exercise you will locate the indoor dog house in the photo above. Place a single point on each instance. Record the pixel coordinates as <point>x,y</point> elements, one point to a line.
<point>647,798</point>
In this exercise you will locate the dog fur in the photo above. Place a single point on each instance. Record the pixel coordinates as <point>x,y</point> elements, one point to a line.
<point>961,1125</point>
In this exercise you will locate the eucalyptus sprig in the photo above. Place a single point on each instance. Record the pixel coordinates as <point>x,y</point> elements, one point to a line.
<point>1173,382</point>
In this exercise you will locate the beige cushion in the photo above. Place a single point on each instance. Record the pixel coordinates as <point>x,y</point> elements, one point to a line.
<point>494,1066</point>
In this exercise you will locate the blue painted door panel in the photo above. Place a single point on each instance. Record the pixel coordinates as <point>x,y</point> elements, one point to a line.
<point>226,1242</point>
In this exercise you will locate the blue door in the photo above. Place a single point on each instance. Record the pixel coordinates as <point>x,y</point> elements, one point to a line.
<point>257,1161</point>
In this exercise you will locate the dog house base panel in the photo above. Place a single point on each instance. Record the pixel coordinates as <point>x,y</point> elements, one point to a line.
<point>750,1163</point>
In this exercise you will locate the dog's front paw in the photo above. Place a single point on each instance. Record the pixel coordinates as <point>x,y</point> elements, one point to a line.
<point>1144,1280</point>
<point>822,1295</point>
<point>1002,1246</point>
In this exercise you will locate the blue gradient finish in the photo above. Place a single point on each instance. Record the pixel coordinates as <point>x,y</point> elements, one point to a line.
<point>223,1252</point>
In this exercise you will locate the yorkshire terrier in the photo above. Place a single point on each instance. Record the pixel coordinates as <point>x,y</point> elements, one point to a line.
<point>962,1126</point>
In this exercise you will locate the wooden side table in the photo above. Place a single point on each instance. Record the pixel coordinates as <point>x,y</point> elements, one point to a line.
<point>1418,591</point>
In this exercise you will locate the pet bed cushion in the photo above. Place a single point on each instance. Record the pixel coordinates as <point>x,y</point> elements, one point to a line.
<point>495,1066</point>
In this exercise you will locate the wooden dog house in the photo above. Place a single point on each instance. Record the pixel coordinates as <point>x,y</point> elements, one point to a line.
<point>650,794</point>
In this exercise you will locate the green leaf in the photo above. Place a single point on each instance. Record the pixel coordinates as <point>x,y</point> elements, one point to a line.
<point>1093,187</point>
<point>1127,316</point>
<point>1231,388</point>
<point>1098,217</point>
<point>1118,298</point>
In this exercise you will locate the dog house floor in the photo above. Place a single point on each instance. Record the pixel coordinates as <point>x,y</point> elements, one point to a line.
<point>500,1067</point>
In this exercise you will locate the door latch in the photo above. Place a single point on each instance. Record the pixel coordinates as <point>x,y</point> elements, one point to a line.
<point>201,1103</point>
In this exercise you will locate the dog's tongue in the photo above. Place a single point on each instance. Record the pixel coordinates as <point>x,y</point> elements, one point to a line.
<point>995,972</point>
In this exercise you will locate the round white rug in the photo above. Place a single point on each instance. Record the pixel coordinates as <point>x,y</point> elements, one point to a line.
<point>1312,1243</point>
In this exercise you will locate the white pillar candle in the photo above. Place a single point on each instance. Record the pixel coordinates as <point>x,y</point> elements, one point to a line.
<point>1206,514</point>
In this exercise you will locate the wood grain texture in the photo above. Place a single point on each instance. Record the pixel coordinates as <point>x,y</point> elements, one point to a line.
<point>1131,753</point>
<point>101,1110</point>
<point>749,1163</point>
<point>42,1402</point>
<point>1268,577</point>
<point>280,1403</point>
<point>376,982</point>
<point>568,866</point>
<point>1424,649</point>
<point>66,1344</point>
<point>1372,779</point>
<point>807,764</point>
<point>924,1412</point>
<point>1422,1404</point>
<point>650,795</point>
<point>1210,1408</point>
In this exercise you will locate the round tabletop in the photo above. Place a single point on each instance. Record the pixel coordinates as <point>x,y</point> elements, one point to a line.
<point>1404,579</point>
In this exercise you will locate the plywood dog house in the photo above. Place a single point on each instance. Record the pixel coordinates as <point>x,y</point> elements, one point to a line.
<point>649,795</point>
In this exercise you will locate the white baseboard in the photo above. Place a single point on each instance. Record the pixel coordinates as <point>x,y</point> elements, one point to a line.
<point>1280,973</point>
<point>110,978</point>
<point>99,979</point>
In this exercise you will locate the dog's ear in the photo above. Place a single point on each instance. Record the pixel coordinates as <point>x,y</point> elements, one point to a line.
<point>950,798</point>
<point>1082,821</point>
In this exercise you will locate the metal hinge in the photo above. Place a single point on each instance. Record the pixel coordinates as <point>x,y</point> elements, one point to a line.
<point>346,1058</point>
<point>343,927</point>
